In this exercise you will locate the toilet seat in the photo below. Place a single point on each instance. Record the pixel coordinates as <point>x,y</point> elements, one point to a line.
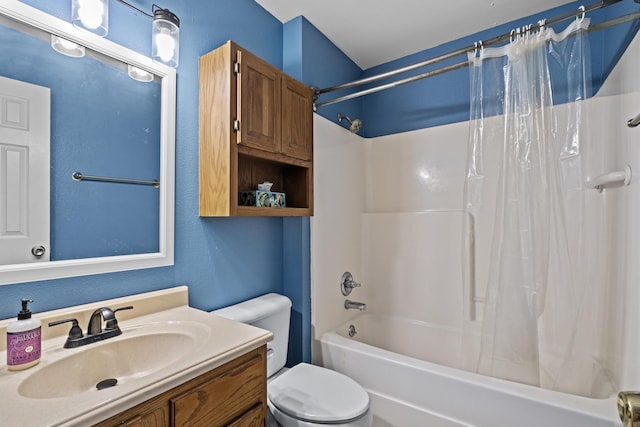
<point>318,395</point>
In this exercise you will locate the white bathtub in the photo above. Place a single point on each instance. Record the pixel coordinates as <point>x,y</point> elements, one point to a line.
<point>406,366</point>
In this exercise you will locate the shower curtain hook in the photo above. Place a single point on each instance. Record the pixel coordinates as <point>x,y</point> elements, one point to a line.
<point>582,15</point>
<point>478,48</point>
<point>511,35</point>
<point>541,24</point>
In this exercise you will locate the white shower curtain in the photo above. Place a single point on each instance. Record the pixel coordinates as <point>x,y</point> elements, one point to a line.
<point>531,251</point>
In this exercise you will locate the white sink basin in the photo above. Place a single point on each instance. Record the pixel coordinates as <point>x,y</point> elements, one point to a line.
<point>126,359</point>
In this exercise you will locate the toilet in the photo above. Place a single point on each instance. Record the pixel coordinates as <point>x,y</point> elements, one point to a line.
<point>305,395</point>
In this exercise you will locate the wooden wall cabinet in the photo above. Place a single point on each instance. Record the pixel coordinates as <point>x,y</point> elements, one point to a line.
<point>256,125</point>
<point>232,395</point>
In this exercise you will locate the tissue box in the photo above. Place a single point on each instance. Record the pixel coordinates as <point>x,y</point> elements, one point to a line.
<point>263,199</point>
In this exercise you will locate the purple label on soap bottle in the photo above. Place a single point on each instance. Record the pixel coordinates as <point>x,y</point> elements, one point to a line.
<point>23,347</point>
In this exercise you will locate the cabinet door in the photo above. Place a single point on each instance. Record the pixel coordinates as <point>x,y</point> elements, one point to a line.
<point>230,395</point>
<point>297,119</point>
<point>257,104</point>
<point>252,418</point>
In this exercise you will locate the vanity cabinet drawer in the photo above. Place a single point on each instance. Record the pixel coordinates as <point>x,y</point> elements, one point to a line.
<point>232,395</point>
<point>153,418</point>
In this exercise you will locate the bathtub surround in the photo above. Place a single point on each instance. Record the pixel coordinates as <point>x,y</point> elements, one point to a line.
<point>336,230</point>
<point>404,243</point>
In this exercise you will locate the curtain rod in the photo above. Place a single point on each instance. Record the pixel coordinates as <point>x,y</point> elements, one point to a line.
<point>495,40</point>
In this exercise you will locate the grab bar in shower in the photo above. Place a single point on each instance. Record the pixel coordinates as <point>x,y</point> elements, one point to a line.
<point>607,179</point>
<point>473,298</point>
<point>77,176</point>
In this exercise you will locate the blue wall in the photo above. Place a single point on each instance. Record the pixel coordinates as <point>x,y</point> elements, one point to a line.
<point>312,58</point>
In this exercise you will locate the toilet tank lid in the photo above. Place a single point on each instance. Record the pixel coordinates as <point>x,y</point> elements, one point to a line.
<point>255,309</point>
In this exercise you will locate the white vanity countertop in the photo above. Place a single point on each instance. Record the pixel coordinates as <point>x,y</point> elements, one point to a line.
<point>216,341</point>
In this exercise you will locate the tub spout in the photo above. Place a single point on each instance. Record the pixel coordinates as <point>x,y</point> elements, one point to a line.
<point>353,304</point>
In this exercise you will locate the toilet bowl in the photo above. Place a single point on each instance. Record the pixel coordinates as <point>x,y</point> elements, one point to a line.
<point>304,395</point>
<point>308,395</point>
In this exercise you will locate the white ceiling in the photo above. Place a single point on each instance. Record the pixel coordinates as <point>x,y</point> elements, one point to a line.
<point>372,32</point>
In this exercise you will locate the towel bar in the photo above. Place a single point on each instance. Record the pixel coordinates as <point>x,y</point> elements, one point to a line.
<point>78,176</point>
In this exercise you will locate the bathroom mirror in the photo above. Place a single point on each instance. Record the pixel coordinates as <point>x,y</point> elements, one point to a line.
<point>99,122</point>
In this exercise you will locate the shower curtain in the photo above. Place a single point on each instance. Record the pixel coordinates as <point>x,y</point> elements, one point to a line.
<point>531,259</point>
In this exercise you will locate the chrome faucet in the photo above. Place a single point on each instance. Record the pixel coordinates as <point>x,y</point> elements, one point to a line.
<point>95,331</point>
<point>353,304</point>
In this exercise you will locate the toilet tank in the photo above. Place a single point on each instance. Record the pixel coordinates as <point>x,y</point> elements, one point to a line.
<point>270,312</point>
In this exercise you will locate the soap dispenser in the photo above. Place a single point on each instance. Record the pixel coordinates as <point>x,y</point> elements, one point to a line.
<point>23,340</point>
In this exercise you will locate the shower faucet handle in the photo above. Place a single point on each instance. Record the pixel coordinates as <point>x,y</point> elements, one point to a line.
<point>347,284</point>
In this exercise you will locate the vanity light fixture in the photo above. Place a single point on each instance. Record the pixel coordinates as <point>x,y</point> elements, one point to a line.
<point>165,34</point>
<point>91,15</point>
<point>66,47</point>
<point>139,74</point>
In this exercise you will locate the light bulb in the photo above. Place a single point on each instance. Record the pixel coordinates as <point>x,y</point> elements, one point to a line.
<point>90,13</point>
<point>166,45</point>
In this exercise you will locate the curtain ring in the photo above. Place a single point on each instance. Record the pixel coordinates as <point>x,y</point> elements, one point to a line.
<point>542,23</point>
<point>582,15</point>
<point>477,48</point>
<point>511,35</point>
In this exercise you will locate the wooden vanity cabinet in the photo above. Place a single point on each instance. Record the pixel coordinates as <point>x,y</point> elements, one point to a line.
<point>234,394</point>
<point>256,125</point>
